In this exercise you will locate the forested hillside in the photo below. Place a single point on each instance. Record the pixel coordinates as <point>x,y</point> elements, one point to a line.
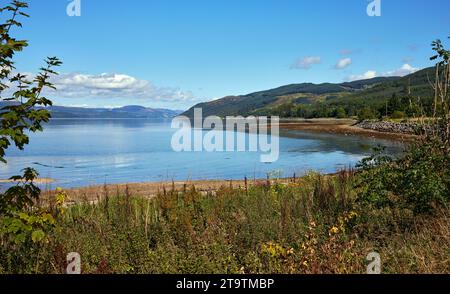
<point>392,96</point>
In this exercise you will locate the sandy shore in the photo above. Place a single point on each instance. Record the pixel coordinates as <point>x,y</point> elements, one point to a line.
<point>37,181</point>
<point>342,127</point>
<point>95,193</point>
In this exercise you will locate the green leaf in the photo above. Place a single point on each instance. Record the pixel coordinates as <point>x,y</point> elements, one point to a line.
<point>37,236</point>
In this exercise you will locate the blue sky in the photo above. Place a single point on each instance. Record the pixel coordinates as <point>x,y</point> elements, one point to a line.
<point>168,53</point>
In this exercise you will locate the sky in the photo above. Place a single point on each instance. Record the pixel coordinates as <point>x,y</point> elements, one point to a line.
<point>176,53</point>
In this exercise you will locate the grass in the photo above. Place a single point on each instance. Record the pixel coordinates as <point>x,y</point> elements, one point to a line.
<point>315,225</point>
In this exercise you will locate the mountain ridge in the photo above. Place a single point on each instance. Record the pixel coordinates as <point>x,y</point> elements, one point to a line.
<point>377,91</point>
<point>128,111</point>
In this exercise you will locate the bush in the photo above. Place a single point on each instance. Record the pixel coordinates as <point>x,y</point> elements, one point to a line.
<point>398,114</point>
<point>419,181</point>
<point>366,113</point>
<point>340,113</point>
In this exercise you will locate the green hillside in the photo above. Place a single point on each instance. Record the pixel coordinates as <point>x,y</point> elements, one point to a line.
<point>373,97</point>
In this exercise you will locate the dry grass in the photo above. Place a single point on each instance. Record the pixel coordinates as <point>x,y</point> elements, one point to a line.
<point>152,189</point>
<point>311,226</point>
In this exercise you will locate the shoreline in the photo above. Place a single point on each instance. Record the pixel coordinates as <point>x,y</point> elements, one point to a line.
<point>92,194</point>
<point>344,127</point>
<point>36,181</point>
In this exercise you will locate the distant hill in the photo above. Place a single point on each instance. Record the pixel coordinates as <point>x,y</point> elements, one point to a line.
<point>372,92</point>
<point>131,111</point>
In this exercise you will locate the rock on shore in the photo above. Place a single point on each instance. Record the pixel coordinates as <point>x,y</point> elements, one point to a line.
<point>393,127</point>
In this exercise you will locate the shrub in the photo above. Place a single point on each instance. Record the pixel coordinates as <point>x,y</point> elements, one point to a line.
<point>419,181</point>
<point>340,113</point>
<point>23,225</point>
<point>398,114</point>
<point>366,113</point>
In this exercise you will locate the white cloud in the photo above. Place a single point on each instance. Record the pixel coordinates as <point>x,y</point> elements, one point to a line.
<point>404,70</point>
<point>103,81</point>
<point>306,62</point>
<point>343,63</point>
<point>78,105</point>
<point>113,85</point>
<point>370,74</point>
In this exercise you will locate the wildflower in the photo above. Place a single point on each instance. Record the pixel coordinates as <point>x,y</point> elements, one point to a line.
<point>334,231</point>
<point>352,214</point>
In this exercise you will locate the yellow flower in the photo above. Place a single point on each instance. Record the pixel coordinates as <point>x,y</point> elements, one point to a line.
<point>353,214</point>
<point>334,230</point>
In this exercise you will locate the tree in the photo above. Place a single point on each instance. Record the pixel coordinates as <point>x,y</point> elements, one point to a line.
<point>441,88</point>
<point>340,112</point>
<point>24,112</point>
<point>394,104</point>
<point>420,179</point>
<point>285,110</point>
<point>366,113</point>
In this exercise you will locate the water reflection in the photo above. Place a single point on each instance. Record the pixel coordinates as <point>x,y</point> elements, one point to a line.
<point>88,152</point>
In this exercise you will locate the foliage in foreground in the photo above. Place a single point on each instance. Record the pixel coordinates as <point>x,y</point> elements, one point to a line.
<point>24,112</point>
<point>315,225</point>
<point>419,181</point>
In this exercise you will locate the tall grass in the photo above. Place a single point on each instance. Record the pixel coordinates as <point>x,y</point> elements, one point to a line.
<point>314,225</point>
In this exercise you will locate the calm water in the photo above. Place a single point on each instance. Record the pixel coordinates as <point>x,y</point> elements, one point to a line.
<point>87,152</point>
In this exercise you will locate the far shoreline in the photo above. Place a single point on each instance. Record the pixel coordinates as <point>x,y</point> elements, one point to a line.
<point>346,127</point>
